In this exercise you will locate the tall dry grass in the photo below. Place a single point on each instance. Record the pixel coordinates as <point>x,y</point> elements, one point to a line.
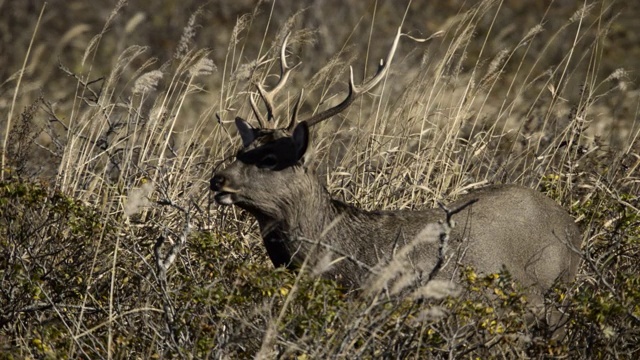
<point>170,274</point>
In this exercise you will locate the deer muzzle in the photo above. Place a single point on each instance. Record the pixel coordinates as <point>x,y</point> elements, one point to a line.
<point>224,195</point>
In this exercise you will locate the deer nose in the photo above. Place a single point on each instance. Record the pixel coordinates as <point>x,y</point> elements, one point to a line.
<point>216,182</point>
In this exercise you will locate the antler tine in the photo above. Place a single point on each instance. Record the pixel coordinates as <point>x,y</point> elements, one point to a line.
<point>355,91</point>
<point>268,96</point>
<point>294,115</point>
<point>254,107</point>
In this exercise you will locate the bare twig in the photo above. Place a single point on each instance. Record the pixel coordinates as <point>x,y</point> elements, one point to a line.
<point>444,235</point>
<point>164,262</point>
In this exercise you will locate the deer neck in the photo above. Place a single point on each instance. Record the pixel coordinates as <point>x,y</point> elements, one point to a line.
<point>305,211</point>
<point>306,215</point>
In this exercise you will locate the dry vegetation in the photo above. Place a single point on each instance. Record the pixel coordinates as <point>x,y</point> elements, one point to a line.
<point>113,119</point>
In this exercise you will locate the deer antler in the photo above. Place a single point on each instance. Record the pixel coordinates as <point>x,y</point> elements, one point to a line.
<point>268,96</point>
<point>354,90</point>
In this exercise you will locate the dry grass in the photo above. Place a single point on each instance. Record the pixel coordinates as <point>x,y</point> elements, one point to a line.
<point>158,270</point>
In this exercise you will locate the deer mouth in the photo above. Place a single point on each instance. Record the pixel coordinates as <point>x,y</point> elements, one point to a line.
<point>223,193</point>
<point>225,198</point>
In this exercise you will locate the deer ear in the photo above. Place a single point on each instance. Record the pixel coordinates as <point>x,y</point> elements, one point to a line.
<point>300,139</point>
<point>246,131</point>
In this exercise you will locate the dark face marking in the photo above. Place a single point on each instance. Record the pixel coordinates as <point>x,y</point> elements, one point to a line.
<point>273,149</point>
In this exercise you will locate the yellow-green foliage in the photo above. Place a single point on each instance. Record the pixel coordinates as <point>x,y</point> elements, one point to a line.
<point>46,242</point>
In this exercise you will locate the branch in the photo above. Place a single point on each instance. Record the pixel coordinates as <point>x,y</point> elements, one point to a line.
<point>163,263</point>
<point>444,235</point>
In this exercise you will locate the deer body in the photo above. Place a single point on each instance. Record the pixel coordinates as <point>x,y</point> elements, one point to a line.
<point>507,226</point>
<point>511,226</point>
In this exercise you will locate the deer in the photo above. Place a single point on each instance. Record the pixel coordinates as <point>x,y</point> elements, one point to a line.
<point>497,227</point>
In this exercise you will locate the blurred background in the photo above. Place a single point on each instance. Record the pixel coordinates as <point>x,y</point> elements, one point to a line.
<point>84,39</point>
<point>68,26</point>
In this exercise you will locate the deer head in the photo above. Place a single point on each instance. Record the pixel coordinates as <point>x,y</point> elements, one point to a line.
<point>270,157</point>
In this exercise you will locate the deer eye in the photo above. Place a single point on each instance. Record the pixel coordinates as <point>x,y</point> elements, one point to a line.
<point>269,161</point>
